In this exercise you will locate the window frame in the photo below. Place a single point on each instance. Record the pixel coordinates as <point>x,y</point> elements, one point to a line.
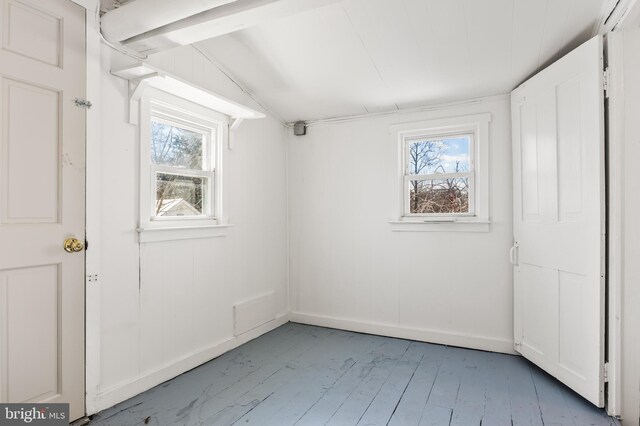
<point>412,137</point>
<point>162,107</point>
<point>160,114</point>
<point>477,126</point>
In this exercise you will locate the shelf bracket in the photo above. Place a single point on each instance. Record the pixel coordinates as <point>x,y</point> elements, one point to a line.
<point>232,129</point>
<point>236,123</point>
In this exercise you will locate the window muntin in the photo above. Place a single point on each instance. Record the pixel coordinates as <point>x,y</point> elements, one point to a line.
<point>439,175</point>
<point>182,159</point>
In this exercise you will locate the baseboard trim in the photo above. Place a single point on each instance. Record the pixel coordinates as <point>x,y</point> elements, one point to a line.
<point>423,335</point>
<point>114,395</point>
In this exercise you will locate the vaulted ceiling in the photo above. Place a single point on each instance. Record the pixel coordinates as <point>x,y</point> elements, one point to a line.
<point>360,56</point>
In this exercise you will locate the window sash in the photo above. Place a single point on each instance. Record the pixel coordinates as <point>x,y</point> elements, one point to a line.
<point>471,192</point>
<point>407,177</point>
<point>209,144</point>
<point>409,140</point>
<point>208,140</point>
<point>208,205</point>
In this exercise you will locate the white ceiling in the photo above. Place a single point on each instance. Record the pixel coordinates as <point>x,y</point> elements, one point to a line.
<point>360,56</point>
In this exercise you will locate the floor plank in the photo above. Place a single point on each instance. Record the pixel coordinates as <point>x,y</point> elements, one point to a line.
<point>248,394</point>
<point>411,405</point>
<point>307,397</point>
<point>357,402</point>
<point>384,404</point>
<point>445,389</point>
<point>497,406</point>
<point>470,400</point>
<point>305,375</point>
<point>288,403</point>
<point>525,407</point>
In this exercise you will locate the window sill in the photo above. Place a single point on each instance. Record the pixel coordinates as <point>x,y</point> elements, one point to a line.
<point>150,235</point>
<point>439,225</point>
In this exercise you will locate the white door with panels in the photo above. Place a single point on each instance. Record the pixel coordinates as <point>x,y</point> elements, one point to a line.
<point>559,220</point>
<point>42,210</point>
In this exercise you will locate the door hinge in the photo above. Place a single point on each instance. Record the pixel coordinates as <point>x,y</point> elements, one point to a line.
<point>514,254</point>
<point>606,372</point>
<point>606,82</point>
<point>83,103</point>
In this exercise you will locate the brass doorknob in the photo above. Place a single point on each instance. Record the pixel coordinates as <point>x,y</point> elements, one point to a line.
<point>73,245</point>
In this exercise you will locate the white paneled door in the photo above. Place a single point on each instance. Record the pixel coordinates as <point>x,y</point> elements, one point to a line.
<point>42,139</point>
<point>559,220</point>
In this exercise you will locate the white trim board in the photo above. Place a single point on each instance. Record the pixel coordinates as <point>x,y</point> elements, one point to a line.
<point>615,206</point>
<point>110,397</point>
<point>423,335</point>
<point>93,173</point>
<point>90,5</point>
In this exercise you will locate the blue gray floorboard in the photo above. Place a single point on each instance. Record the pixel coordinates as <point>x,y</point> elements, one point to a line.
<point>305,375</point>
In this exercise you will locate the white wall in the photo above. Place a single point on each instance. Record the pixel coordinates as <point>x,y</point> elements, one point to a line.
<point>348,269</point>
<point>168,306</point>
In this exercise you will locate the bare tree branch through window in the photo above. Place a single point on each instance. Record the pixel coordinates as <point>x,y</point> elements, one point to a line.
<point>439,175</point>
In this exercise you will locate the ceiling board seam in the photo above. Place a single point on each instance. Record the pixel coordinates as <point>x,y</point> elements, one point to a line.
<point>469,55</point>
<point>513,33</point>
<point>564,30</point>
<point>364,46</point>
<point>544,28</point>
<point>407,16</point>
<point>418,41</point>
<point>605,14</point>
<point>236,82</point>
<point>610,13</point>
<point>423,108</point>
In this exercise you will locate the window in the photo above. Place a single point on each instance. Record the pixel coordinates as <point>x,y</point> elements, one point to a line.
<point>180,163</point>
<point>439,175</point>
<point>182,169</point>
<point>444,170</point>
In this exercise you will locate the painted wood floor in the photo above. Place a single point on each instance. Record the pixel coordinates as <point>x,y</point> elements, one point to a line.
<point>306,375</point>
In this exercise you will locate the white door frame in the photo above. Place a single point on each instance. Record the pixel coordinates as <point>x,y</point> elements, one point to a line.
<point>93,206</point>
<point>615,204</point>
<point>615,194</point>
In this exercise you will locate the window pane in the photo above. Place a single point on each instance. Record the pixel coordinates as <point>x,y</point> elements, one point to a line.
<point>173,146</point>
<point>178,195</point>
<point>446,155</point>
<point>439,196</point>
